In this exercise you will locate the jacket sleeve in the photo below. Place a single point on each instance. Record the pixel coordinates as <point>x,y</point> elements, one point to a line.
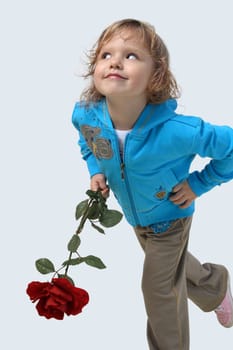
<point>216,143</point>
<point>86,152</point>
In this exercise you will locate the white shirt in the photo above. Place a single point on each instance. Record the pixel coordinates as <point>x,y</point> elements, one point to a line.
<point>121,134</point>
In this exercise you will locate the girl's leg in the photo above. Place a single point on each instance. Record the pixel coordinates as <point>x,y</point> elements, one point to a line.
<point>164,285</point>
<point>206,283</point>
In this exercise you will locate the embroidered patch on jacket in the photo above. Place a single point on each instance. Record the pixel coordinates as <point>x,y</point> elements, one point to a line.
<point>101,147</point>
<point>160,194</point>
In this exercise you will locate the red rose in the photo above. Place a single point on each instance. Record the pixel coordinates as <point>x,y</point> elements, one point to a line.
<point>57,298</point>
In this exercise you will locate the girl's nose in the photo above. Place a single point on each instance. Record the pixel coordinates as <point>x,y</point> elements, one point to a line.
<point>115,63</point>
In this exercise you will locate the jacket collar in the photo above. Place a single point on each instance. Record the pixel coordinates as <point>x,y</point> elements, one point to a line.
<point>151,116</point>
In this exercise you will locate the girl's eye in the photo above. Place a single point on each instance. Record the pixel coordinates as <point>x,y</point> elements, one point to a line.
<point>106,55</point>
<point>131,56</point>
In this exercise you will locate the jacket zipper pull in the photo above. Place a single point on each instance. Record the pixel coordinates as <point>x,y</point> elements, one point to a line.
<point>122,170</point>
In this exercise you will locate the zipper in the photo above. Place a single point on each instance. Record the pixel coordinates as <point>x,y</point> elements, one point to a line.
<point>125,179</point>
<point>122,170</point>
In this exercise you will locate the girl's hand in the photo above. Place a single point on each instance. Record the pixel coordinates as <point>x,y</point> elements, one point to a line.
<point>183,196</point>
<point>98,182</point>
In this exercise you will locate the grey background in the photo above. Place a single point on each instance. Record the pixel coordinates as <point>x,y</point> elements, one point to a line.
<point>43,176</point>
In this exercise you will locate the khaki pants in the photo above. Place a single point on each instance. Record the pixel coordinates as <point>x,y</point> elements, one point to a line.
<point>170,276</point>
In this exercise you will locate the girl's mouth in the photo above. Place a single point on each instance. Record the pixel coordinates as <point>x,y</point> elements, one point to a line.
<point>115,76</point>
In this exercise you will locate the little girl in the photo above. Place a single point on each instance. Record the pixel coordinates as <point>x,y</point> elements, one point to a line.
<point>135,143</point>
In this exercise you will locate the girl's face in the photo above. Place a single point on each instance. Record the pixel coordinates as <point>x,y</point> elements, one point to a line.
<point>123,67</point>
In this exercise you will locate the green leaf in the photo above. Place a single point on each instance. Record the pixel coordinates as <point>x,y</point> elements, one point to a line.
<point>73,262</point>
<point>93,212</point>
<point>67,277</point>
<point>44,266</point>
<point>94,261</point>
<point>101,199</point>
<point>102,207</point>
<point>110,218</point>
<point>92,194</point>
<point>80,209</point>
<point>97,228</point>
<point>74,243</point>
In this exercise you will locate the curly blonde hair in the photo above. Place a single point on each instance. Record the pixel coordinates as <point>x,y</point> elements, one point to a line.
<point>162,85</point>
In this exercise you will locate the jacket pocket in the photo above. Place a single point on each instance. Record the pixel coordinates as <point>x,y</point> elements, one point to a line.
<point>158,191</point>
<point>163,185</point>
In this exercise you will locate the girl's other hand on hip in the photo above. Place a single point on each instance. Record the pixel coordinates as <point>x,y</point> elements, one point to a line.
<point>182,195</point>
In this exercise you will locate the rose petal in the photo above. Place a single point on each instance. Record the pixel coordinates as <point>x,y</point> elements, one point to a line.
<point>50,312</point>
<point>37,290</point>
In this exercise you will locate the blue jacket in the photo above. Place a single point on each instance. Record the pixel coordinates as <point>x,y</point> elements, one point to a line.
<point>158,153</point>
